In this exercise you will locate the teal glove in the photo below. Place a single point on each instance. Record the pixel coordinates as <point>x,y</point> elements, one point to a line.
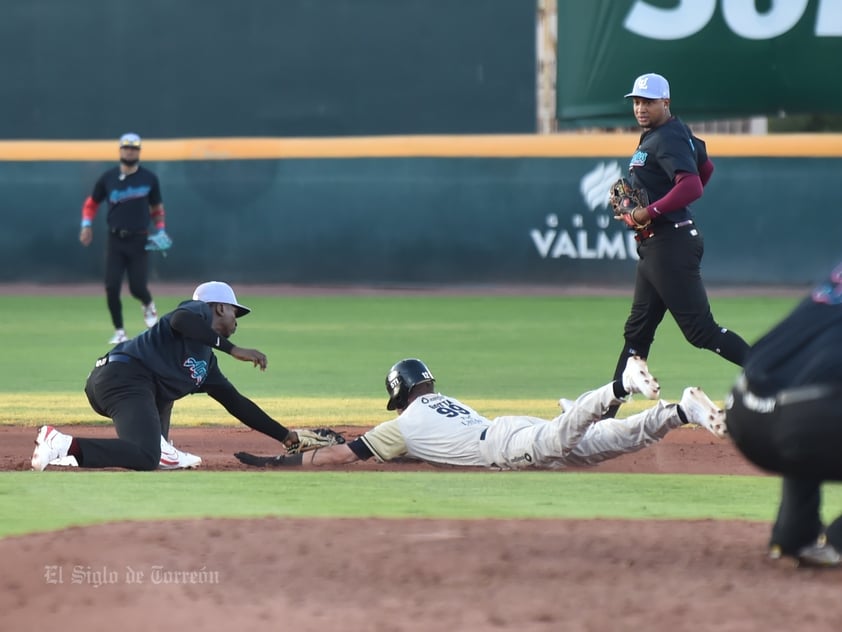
<point>160,241</point>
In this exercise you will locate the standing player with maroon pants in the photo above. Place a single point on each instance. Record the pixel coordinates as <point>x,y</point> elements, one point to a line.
<point>134,199</point>
<point>672,166</point>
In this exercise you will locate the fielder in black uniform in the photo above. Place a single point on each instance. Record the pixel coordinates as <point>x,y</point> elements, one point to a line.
<point>138,381</point>
<point>783,414</point>
<point>672,166</point>
<point>134,199</point>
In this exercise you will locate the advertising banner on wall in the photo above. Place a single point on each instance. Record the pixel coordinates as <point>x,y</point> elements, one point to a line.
<point>419,221</point>
<point>723,58</point>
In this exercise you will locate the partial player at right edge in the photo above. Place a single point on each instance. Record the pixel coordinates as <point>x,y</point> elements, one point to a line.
<point>784,416</point>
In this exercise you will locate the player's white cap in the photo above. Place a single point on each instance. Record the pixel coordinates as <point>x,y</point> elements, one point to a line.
<point>650,86</point>
<point>130,140</point>
<point>219,292</point>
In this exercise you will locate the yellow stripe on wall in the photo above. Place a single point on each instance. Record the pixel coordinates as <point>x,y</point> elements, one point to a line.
<point>498,146</point>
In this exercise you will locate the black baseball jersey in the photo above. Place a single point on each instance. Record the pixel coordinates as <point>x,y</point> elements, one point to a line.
<point>129,197</point>
<point>181,365</point>
<point>803,348</point>
<point>663,152</point>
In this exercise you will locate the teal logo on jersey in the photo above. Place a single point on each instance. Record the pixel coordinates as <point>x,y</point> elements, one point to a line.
<point>198,370</point>
<point>639,159</point>
<point>129,193</point>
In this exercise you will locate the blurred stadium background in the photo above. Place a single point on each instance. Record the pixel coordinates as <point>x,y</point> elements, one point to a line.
<point>416,142</point>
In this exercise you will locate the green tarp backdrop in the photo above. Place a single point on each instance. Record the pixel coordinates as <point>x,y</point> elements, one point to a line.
<point>93,69</point>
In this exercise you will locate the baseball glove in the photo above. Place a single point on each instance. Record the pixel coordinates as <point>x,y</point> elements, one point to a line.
<point>160,241</point>
<point>624,199</point>
<point>314,439</point>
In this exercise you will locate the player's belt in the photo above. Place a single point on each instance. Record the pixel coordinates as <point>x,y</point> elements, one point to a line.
<point>649,231</point>
<point>787,397</point>
<point>122,233</point>
<point>113,357</point>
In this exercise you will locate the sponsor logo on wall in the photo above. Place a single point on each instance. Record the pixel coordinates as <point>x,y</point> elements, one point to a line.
<point>589,231</point>
<point>748,20</point>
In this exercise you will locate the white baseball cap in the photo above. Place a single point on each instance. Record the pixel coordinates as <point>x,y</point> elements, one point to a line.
<point>130,140</point>
<point>219,292</point>
<point>650,86</point>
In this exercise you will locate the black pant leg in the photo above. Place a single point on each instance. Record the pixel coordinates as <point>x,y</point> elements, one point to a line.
<point>802,441</point>
<point>125,392</point>
<point>678,279</point>
<point>164,414</point>
<point>137,262</point>
<point>798,523</point>
<point>647,312</point>
<point>115,267</point>
<point>683,291</point>
<point>647,309</point>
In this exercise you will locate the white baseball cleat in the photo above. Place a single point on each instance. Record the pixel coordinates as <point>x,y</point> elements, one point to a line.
<point>150,314</point>
<point>637,379</point>
<point>174,459</point>
<point>118,337</point>
<point>700,410</point>
<point>50,444</point>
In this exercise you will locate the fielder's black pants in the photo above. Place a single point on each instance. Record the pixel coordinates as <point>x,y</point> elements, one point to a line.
<point>669,277</point>
<point>125,392</point>
<point>802,440</point>
<point>126,255</point>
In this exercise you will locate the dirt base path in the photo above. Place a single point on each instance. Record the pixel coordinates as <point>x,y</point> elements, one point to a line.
<point>687,450</point>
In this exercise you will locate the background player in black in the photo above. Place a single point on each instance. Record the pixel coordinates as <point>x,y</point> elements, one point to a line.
<point>137,382</point>
<point>134,199</point>
<point>784,416</point>
<point>672,166</point>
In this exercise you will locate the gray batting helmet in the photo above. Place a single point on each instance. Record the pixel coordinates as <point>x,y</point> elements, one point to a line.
<point>402,378</point>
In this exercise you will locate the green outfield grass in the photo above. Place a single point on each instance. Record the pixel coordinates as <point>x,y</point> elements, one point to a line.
<point>327,360</point>
<point>328,356</point>
<point>39,502</point>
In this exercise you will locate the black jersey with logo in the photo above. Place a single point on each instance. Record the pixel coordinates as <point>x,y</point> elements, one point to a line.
<point>181,366</point>
<point>663,152</point>
<point>129,197</point>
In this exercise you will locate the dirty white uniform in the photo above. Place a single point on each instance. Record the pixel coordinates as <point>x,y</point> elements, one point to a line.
<point>441,429</point>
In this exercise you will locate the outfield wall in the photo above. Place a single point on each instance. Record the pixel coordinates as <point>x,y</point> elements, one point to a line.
<point>420,210</point>
<point>165,69</point>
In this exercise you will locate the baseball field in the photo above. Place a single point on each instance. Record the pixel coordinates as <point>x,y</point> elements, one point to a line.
<point>672,537</point>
